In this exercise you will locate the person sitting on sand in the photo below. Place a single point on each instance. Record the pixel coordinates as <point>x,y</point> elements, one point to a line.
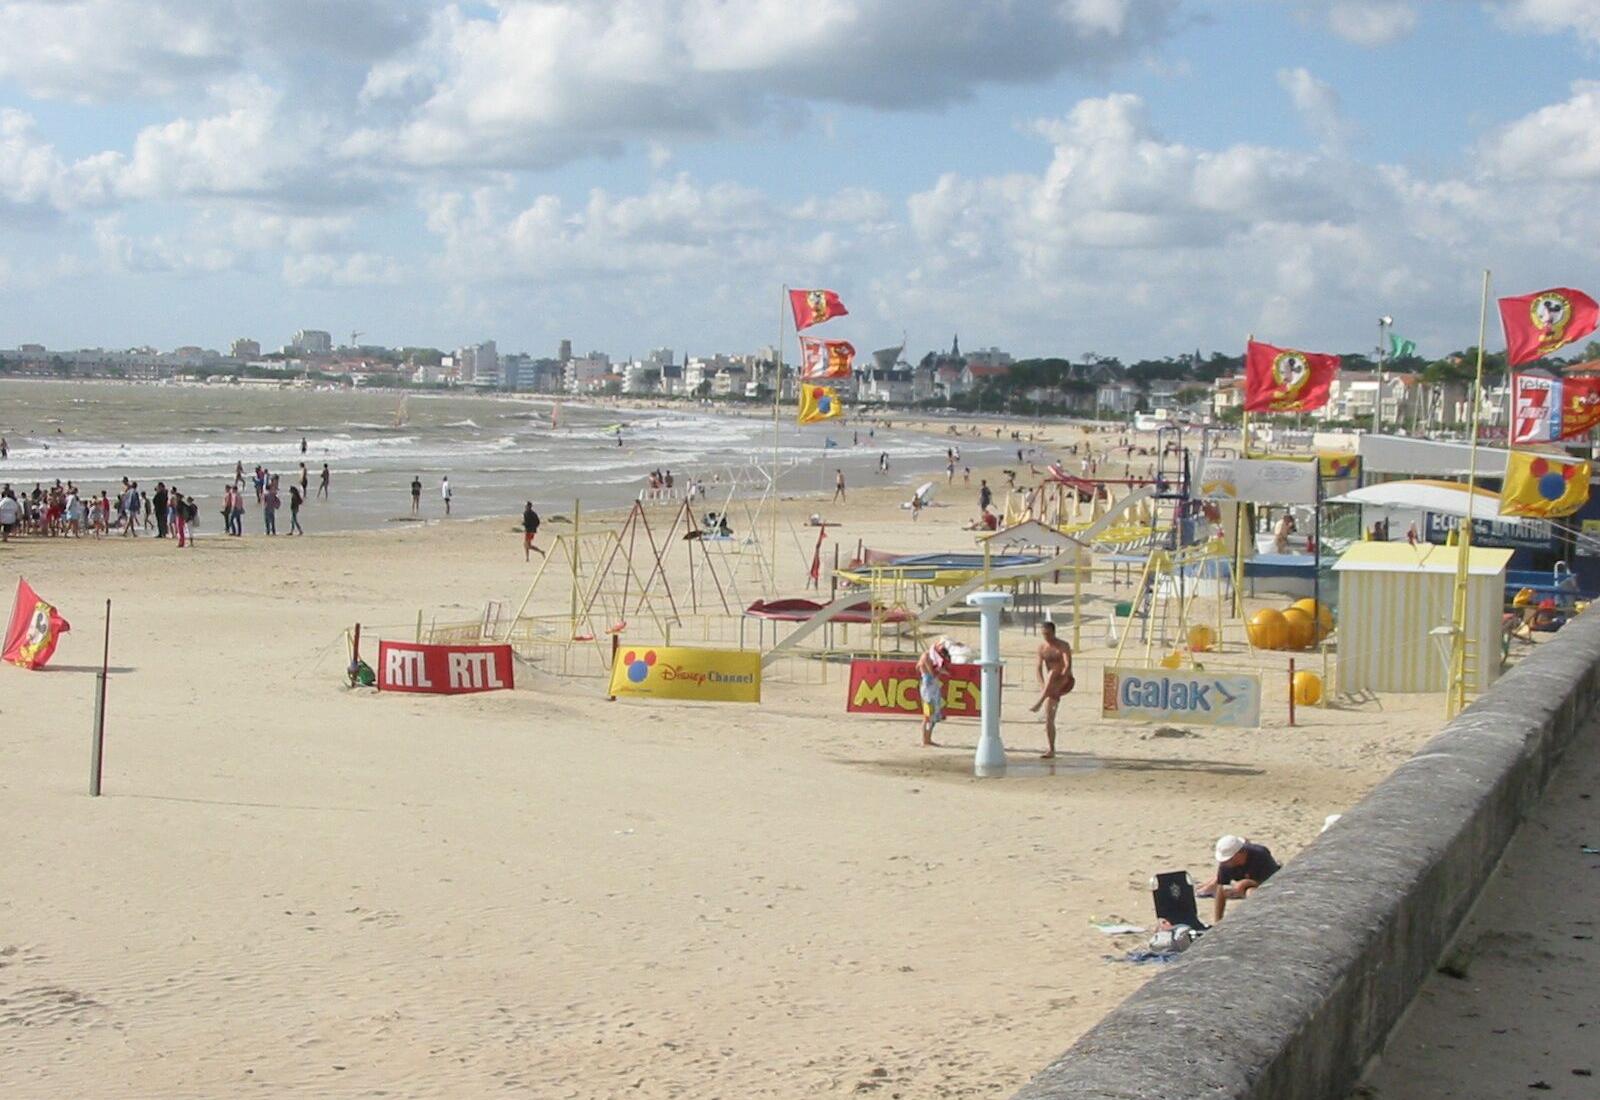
<point>934,668</point>
<point>1241,868</point>
<point>1054,670</point>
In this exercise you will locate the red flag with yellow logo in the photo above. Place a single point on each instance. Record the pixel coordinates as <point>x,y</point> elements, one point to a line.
<point>34,629</point>
<point>1538,324</point>
<point>812,307</point>
<point>1278,380</point>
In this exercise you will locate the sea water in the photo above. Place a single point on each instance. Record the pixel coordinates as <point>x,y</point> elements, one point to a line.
<point>497,451</point>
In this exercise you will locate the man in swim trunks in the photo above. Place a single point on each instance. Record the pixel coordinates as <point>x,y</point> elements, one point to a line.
<point>933,668</point>
<point>1055,674</point>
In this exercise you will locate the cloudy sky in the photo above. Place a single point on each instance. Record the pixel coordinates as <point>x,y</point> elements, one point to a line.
<point>1129,177</point>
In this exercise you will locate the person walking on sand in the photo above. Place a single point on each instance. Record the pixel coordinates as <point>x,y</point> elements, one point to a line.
<point>322,486</point>
<point>933,668</point>
<point>985,495</point>
<point>838,485</point>
<point>444,491</point>
<point>180,517</point>
<point>1054,670</point>
<point>296,498</point>
<point>159,503</point>
<point>416,495</point>
<point>130,508</point>
<point>305,482</point>
<point>530,531</point>
<point>269,508</point>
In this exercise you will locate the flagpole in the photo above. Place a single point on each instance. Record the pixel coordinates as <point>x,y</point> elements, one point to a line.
<point>1456,688</point>
<point>1239,526</point>
<point>777,393</point>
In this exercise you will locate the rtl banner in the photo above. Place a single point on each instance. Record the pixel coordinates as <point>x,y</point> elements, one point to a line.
<point>894,687</point>
<point>681,672</point>
<point>443,669</point>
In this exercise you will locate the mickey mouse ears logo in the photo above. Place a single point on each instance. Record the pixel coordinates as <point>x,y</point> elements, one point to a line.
<point>1551,477</point>
<point>639,665</point>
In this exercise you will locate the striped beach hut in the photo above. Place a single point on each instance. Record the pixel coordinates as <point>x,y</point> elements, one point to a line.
<point>1394,614</point>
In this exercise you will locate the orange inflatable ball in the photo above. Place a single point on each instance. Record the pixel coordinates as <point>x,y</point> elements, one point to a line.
<point>1302,631</point>
<point>1202,638</point>
<point>1172,660</point>
<point>1268,629</point>
<point>1307,689</point>
<point>1318,612</point>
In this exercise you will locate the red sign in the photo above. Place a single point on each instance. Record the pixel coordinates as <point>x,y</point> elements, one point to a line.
<point>894,687</point>
<point>443,669</point>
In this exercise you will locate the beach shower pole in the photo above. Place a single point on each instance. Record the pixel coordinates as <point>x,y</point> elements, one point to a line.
<point>990,758</point>
<point>98,743</point>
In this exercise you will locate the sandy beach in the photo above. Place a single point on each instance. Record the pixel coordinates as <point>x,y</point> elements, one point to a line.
<point>291,886</point>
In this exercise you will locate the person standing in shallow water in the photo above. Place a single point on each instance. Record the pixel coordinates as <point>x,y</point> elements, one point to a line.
<point>296,497</point>
<point>416,495</point>
<point>322,486</point>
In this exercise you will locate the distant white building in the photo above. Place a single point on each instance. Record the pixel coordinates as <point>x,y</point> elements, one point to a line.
<point>479,365</point>
<point>312,341</point>
<point>245,349</point>
<point>582,372</point>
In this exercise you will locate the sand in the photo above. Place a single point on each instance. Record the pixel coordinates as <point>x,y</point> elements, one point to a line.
<point>289,886</point>
<point>1520,1009</point>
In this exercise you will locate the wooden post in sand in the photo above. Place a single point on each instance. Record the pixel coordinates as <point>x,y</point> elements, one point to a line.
<point>98,742</point>
<point>1291,691</point>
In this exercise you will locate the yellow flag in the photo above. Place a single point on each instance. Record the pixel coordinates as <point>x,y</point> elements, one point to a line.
<point>1543,486</point>
<point>819,403</point>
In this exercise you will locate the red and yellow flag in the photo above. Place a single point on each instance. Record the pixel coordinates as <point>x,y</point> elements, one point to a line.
<point>34,629</point>
<point>1538,324</point>
<point>826,358</point>
<point>1543,486</point>
<point>812,307</point>
<point>1278,380</point>
<point>819,403</point>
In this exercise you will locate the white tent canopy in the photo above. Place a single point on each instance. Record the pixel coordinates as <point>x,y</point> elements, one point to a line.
<point>1444,497</point>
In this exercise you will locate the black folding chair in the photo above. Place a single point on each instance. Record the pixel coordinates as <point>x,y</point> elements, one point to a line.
<point>1175,900</point>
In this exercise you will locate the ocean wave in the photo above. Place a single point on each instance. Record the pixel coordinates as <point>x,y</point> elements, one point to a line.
<point>468,423</point>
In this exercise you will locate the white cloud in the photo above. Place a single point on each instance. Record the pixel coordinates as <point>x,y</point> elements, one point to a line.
<point>537,82</point>
<point>1557,141</point>
<point>354,269</point>
<point>1369,22</point>
<point>1318,104</point>
<point>33,173</point>
<point>1553,17</point>
<point>93,51</point>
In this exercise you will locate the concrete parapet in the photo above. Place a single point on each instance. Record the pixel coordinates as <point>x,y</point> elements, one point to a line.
<point>1291,995</point>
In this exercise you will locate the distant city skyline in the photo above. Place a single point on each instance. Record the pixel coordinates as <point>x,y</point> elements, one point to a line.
<point>1055,177</point>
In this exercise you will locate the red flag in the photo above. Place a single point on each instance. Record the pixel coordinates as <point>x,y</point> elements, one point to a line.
<point>34,629</point>
<point>812,307</point>
<point>1538,324</point>
<point>1280,380</point>
<point>825,358</point>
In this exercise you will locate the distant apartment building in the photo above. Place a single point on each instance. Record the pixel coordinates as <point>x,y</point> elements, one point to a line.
<point>565,352</point>
<point>245,350</point>
<point>581,373</point>
<point>311,341</point>
<point>479,365</point>
<point>989,357</point>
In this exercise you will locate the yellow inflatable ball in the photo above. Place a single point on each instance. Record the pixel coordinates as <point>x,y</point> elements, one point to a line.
<point>1320,613</point>
<point>1268,629</point>
<point>1202,638</point>
<point>1302,631</point>
<point>1172,660</point>
<point>1307,689</point>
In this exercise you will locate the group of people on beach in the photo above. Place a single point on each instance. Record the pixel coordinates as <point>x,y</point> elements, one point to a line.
<point>63,510</point>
